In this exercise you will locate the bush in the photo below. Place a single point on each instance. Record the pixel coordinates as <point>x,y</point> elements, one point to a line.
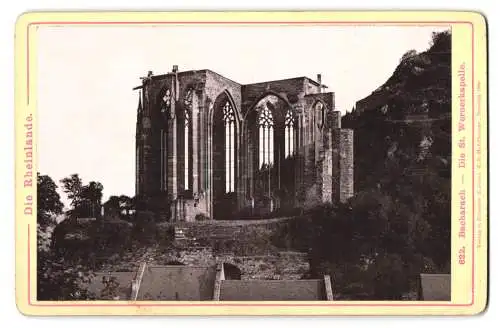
<point>112,236</point>
<point>253,240</point>
<point>390,279</point>
<point>293,234</point>
<point>60,280</point>
<point>201,217</point>
<point>165,235</point>
<point>145,229</point>
<point>110,290</point>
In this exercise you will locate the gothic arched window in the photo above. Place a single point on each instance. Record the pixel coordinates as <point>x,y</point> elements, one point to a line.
<point>289,134</point>
<point>320,114</point>
<point>229,127</point>
<point>165,106</point>
<point>188,101</point>
<point>266,137</point>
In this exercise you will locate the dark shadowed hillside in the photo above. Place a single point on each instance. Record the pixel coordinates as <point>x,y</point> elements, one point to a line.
<point>404,127</point>
<point>403,142</point>
<point>397,225</point>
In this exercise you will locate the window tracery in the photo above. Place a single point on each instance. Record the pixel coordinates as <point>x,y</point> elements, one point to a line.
<point>266,137</point>
<point>289,134</point>
<point>229,128</point>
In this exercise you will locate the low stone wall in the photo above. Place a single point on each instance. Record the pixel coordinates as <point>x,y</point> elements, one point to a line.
<point>247,245</point>
<point>241,237</point>
<point>270,267</point>
<point>285,266</point>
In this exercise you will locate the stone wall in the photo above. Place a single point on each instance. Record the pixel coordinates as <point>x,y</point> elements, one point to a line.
<point>289,90</point>
<point>327,98</point>
<point>246,245</point>
<point>216,84</point>
<point>187,209</point>
<point>285,266</point>
<point>343,164</point>
<point>346,164</point>
<point>325,166</point>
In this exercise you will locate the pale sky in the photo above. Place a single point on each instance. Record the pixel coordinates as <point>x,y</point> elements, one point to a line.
<point>87,108</point>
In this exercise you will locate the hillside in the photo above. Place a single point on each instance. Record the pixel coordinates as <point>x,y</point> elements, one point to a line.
<point>402,144</point>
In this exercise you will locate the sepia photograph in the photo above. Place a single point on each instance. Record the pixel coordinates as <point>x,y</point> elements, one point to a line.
<point>244,162</point>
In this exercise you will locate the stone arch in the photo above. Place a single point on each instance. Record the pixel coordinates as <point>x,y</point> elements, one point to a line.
<point>264,173</point>
<point>231,271</point>
<point>251,108</point>
<point>185,129</point>
<point>319,110</point>
<point>163,111</point>
<point>318,121</point>
<point>225,94</point>
<point>164,99</point>
<point>224,130</point>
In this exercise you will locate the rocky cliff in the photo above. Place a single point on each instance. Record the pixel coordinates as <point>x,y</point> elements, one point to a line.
<point>402,146</point>
<point>404,127</point>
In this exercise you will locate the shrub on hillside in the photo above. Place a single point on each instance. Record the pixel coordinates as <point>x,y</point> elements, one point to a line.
<point>60,278</point>
<point>293,234</point>
<point>253,240</point>
<point>165,235</point>
<point>201,217</point>
<point>112,236</point>
<point>145,229</point>
<point>93,239</point>
<point>390,278</point>
<point>374,246</point>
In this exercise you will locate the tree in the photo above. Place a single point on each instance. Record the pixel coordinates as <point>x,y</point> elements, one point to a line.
<point>112,206</point>
<point>91,197</point>
<point>121,205</point>
<point>72,186</point>
<point>57,279</point>
<point>85,199</point>
<point>49,204</point>
<point>125,204</point>
<point>113,202</point>
<point>441,41</point>
<point>93,192</point>
<point>48,199</point>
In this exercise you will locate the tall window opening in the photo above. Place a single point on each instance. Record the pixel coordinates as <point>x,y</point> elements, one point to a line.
<point>289,134</point>
<point>320,114</point>
<point>188,101</point>
<point>163,159</point>
<point>137,169</point>
<point>266,137</point>
<point>229,128</point>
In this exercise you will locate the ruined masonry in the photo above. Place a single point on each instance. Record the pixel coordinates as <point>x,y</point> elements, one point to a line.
<point>210,147</point>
